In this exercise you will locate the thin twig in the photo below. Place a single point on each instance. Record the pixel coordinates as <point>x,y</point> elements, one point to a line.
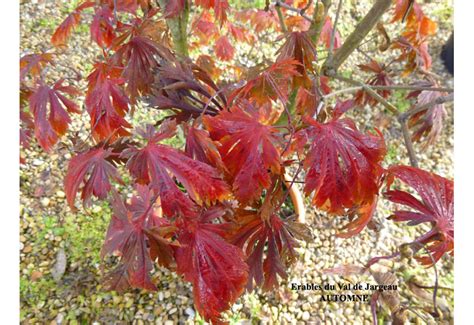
<point>300,166</point>
<point>408,143</point>
<point>392,87</point>
<point>393,110</point>
<point>435,291</point>
<point>334,28</point>
<point>281,18</point>
<point>353,41</point>
<point>300,12</point>
<point>319,17</point>
<point>371,92</point>
<point>436,101</point>
<point>402,118</point>
<point>432,287</point>
<point>417,314</point>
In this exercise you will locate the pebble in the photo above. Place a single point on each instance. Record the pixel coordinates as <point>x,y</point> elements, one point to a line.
<point>189,311</point>
<point>45,202</point>
<point>37,162</point>
<point>306,315</point>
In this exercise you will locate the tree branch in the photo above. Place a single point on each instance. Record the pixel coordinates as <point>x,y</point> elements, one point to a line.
<point>370,91</point>
<point>319,16</point>
<point>300,12</point>
<point>402,118</point>
<point>392,87</point>
<point>178,28</point>
<point>394,111</point>
<point>408,143</point>
<point>436,101</point>
<point>332,63</point>
<point>281,19</point>
<point>334,29</point>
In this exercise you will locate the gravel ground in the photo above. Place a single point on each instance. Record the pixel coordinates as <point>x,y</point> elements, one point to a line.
<point>53,238</point>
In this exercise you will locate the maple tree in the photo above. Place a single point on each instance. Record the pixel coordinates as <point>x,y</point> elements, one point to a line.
<point>211,211</point>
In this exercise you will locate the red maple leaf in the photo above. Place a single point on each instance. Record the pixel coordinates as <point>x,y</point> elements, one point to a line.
<point>205,28</point>
<point>94,170</point>
<point>224,50</point>
<point>253,234</point>
<point>271,84</point>
<point>215,268</point>
<point>249,149</point>
<point>220,8</point>
<point>298,46</point>
<point>435,206</point>
<point>63,31</point>
<point>406,8</point>
<point>154,163</point>
<point>50,112</point>
<point>106,102</point>
<point>429,122</point>
<point>239,33</point>
<point>127,235</point>
<point>413,42</point>
<point>139,56</point>
<point>200,146</point>
<point>380,78</point>
<point>342,164</point>
<point>102,27</point>
<point>130,6</point>
<point>26,120</point>
<point>33,64</point>
<point>326,32</point>
<point>174,8</point>
<point>263,20</point>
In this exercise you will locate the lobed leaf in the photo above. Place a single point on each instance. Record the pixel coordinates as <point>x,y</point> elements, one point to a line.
<point>435,205</point>
<point>94,170</point>
<point>224,50</point>
<point>33,64</point>
<point>269,85</point>
<point>249,148</point>
<point>140,56</point>
<point>127,235</point>
<point>63,31</point>
<point>153,165</point>
<point>298,46</point>
<point>269,246</point>
<point>50,112</point>
<point>429,122</point>
<point>102,27</point>
<point>216,268</point>
<point>343,167</point>
<point>106,102</point>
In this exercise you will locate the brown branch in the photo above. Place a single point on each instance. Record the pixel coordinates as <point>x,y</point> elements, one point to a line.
<point>392,87</point>
<point>333,63</point>
<point>370,91</point>
<point>393,110</point>
<point>408,143</point>
<point>418,109</point>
